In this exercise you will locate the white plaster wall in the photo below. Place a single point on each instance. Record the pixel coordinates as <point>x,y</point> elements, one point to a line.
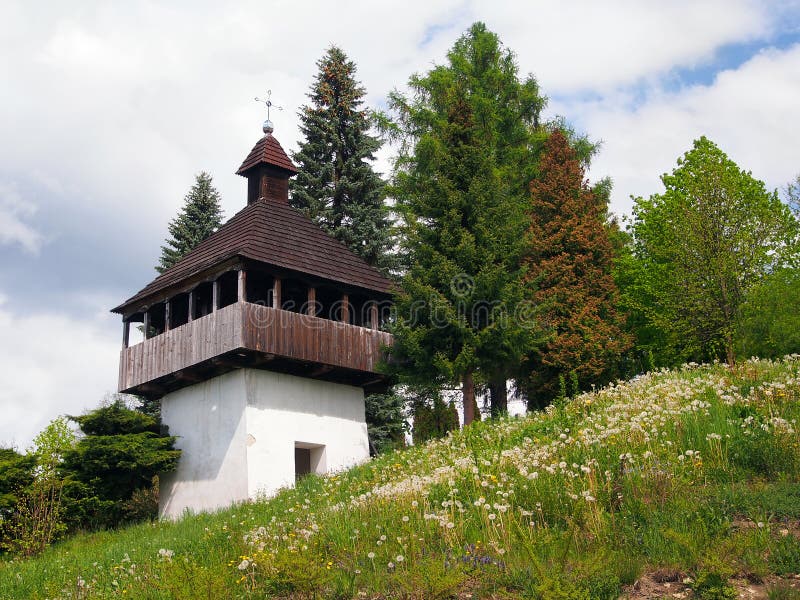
<point>283,410</point>
<point>209,420</point>
<point>238,433</point>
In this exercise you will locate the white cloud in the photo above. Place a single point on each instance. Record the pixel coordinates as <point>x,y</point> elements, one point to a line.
<point>596,46</point>
<point>13,229</point>
<point>750,112</point>
<point>51,365</point>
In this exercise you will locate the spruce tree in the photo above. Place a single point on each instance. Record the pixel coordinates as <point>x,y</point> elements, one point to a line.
<point>200,216</point>
<point>469,135</point>
<point>336,185</point>
<point>570,259</point>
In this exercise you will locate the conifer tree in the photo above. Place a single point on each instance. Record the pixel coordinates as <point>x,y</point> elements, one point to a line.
<point>461,190</point>
<point>336,185</point>
<point>199,217</point>
<point>570,259</point>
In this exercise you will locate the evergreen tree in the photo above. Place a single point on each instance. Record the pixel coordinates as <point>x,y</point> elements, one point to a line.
<point>120,453</point>
<point>570,259</point>
<point>336,185</point>
<point>386,422</point>
<point>200,216</point>
<point>433,417</point>
<point>468,136</point>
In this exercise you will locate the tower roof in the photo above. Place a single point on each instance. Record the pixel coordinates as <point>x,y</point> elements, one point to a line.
<point>276,234</point>
<point>267,151</point>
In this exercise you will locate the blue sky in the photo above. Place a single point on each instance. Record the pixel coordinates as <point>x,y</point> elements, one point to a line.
<point>108,111</point>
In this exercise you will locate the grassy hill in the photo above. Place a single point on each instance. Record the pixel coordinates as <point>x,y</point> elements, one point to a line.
<point>676,484</point>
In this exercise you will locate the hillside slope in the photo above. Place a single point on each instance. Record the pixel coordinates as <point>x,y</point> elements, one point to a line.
<point>676,481</point>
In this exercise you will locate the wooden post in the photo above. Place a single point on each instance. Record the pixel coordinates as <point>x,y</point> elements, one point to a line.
<point>126,332</point>
<point>146,324</point>
<point>345,316</point>
<point>276,292</point>
<point>192,302</point>
<point>214,295</point>
<point>167,312</point>
<point>242,289</point>
<point>311,308</point>
<point>373,316</point>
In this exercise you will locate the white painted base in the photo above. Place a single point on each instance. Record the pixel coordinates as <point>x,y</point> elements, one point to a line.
<point>238,433</point>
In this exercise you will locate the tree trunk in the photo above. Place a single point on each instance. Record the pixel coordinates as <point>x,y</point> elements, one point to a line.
<point>729,351</point>
<point>498,397</point>
<point>468,391</point>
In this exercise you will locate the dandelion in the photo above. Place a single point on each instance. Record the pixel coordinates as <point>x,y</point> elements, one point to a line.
<point>243,565</point>
<point>370,555</point>
<point>399,558</point>
<point>492,516</point>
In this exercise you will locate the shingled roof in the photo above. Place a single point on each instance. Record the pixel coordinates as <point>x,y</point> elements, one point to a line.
<point>267,151</point>
<point>277,234</point>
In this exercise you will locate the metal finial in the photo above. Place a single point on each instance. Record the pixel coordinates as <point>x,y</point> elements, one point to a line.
<point>268,127</point>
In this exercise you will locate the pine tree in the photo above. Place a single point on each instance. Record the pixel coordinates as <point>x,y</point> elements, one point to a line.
<point>200,216</point>
<point>461,190</point>
<point>336,185</point>
<point>570,261</point>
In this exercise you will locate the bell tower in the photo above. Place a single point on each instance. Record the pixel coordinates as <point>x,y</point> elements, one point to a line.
<point>260,344</point>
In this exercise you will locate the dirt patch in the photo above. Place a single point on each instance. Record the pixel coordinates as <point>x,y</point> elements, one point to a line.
<point>657,585</point>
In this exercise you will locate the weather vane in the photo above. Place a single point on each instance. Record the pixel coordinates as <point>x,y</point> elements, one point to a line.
<point>268,127</point>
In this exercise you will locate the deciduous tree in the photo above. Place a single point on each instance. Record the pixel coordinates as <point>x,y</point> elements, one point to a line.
<point>702,245</point>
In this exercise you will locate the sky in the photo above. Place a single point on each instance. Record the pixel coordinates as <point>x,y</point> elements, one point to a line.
<point>109,110</point>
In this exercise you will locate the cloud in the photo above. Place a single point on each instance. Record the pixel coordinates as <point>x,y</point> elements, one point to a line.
<point>13,229</point>
<point>51,365</point>
<point>750,112</point>
<point>598,46</point>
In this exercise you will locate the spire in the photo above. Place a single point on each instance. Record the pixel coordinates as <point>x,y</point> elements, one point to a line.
<point>267,167</point>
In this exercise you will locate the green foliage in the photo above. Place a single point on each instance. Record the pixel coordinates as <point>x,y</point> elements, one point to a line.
<point>386,421</point>
<point>120,453</point>
<point>701,247</point>
<point>16,475</point>
<point>769,324</point>
<point>467,138</point>
<point>199,217</point>
<point>336,185</point>
<point>50,445</point>
<point>37,520</point>
<point>784,557</point>
<point>713,585</point>
<point>433,417</point>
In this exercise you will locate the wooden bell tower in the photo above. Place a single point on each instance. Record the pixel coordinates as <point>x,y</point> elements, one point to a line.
<point>260,344</point>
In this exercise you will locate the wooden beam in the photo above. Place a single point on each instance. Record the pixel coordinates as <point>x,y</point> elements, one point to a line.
<point>373,316</point>
<point>192,303</point>
<point>345,316</point>
<point>321,370</point>
<point>188,376</point>
<point>146,324</point>
<point>276,292</point>
<point>214,295</point>
<point>242,286</point>
<point>312,302</point>
<point>167,313</point>
<point>126,332</point>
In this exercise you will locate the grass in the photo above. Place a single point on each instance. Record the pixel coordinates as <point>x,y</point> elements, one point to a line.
<point>695,471</point>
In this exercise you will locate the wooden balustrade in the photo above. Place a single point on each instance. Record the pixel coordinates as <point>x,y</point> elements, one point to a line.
<point>251,328</point>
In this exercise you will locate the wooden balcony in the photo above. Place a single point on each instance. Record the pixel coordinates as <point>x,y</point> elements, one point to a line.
<point>244,335</point>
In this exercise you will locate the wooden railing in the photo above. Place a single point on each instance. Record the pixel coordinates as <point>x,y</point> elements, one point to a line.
<point>251,327</point>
